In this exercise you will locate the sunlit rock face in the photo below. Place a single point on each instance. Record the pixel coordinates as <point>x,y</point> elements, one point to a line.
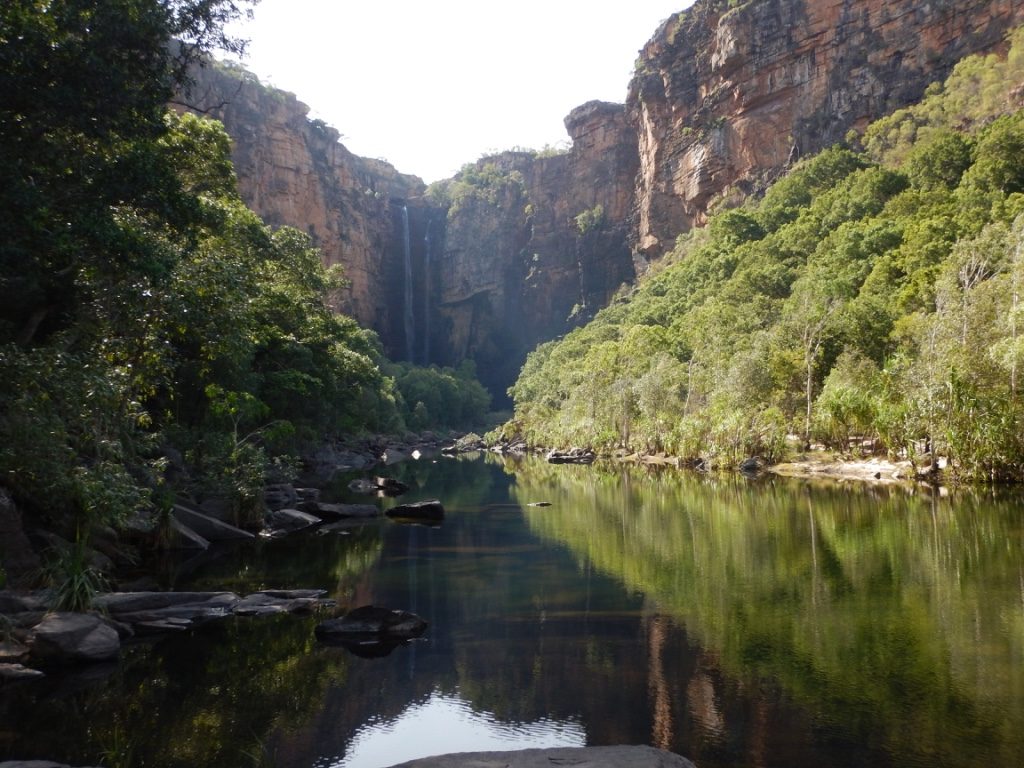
<point>726,99</point>
<point>723,101</point>
<point>293,170</point>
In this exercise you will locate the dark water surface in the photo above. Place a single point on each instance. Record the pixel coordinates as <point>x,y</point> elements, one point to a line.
<point>768,623</point>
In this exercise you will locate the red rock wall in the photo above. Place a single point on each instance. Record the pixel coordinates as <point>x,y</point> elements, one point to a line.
<point>728,98</point>
<point>293,171</point>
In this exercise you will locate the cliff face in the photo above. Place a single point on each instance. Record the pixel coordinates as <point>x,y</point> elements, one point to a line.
<point>293,171</point>
<point>524,246</point>
<point>535,244</point>
<point>727,98</point>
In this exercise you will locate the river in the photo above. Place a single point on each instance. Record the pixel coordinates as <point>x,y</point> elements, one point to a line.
<point>736,622</point>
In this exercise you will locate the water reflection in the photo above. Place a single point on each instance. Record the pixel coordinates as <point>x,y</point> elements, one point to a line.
<point>892,619</point>
<point>738,623</point>
<point>443,724</point>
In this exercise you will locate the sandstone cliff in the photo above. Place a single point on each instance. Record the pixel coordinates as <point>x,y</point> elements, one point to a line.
<point>522,246</point>
<point>727,94</point>
<point>293,170</point>
<point>535,244</point>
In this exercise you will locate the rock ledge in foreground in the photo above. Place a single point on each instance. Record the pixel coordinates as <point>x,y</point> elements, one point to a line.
<point>581,757</point>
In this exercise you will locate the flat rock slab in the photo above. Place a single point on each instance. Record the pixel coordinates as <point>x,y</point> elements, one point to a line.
<point>210,528</point>
<point>150,612</point>
<point>581,757</point>
<point>14,672</point>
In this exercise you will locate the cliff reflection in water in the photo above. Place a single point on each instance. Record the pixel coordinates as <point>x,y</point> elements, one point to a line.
<point>737,623</point>
<point>894,620</point>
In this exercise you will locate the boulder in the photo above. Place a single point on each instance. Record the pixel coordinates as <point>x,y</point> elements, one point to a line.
<point>210,528</point>
<point>286,520</point>
<point>69,638</point>
<point>579,757</point>
<point>420,511</point>
<point>751,466</point>
<point>372,622</point>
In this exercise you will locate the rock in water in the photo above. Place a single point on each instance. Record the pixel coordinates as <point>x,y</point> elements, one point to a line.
<point>578,757</point>
<point>74,637</point>
<point>420,511</point>
<point>372,622</point>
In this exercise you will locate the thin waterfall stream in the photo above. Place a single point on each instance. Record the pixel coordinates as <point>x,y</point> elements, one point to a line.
<point>409,318</point>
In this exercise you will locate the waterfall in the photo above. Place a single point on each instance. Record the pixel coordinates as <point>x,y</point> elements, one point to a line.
<point>408,316</point>
<point>426,294</point>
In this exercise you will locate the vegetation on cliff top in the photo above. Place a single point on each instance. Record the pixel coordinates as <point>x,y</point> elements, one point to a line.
<point>145,312</point>
<point>872,295</point>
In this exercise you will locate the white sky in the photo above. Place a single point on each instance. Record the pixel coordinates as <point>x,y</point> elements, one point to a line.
<point>432,84</point>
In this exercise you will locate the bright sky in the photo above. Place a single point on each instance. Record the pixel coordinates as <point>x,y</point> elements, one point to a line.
<point>432,84</point>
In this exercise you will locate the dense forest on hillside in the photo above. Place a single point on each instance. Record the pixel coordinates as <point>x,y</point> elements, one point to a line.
<point>871,298</point>
<point>145,312</point>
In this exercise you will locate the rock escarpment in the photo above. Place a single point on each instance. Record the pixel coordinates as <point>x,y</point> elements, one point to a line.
<point>293,170</point>
<point>523,246</point>
<point>535,243</point>
<point>727,94</point>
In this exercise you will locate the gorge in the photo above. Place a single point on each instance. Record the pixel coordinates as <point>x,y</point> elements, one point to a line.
<point>725,97</point>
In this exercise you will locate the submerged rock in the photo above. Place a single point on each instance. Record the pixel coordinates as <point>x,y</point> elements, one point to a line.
<point>579,757</point>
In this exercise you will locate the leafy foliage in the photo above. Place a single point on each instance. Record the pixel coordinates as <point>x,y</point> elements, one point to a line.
<point>870,298</point>
<point>143,307</point>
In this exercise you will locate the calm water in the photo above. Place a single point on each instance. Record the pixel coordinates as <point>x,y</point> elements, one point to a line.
<point>739,623</point>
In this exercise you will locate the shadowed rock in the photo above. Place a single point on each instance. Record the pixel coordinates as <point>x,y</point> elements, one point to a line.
<point>69,638</point>
<point>210,528</point>
<point>372,622</point>
<point>420,511</point>
<point>340,511</point>
<point>287,520</point>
